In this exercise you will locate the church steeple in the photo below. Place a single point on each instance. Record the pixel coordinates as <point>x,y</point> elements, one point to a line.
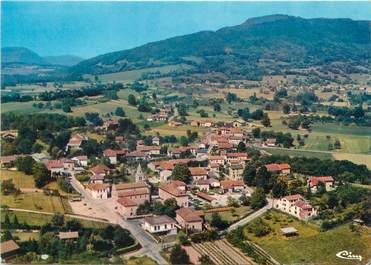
<point>139,175</point>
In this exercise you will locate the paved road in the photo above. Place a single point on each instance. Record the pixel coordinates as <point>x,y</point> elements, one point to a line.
<point>149,246</point>
<point>252,216</point>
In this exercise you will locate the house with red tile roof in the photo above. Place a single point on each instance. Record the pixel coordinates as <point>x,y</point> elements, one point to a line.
<point>205,196</point>
<point>110,124</point>
<point>189,219</point>
<point>232,185</point>
<point>60,166</point>
<point>150,150</point>
<point>198,173</point>
<point>114,155</point>
<point>174,190</point>
<point>136,156</point>
<point>202,185</point>
<point>100,170</point>
<point>295,205</point>
<point>8,161</point>
<point>81,161</point>
<point>99,190</point>
<point>220,160</point>
<point>177,151</point>
<point>156,140</point>
<point>76,141</point>
<point>313,182</point>
<point>139,192</point>
<point>202,123</point>
<point>270,142</point>
<point>225,146</point>
<point>282,168</point>
<point>241,156</point>
<point>126,207</point>
<point>235,171</point>
<point>8,249</point>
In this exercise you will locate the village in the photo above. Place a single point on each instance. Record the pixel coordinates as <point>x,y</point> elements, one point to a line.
<point>216,138</point>
<point>173,189</point>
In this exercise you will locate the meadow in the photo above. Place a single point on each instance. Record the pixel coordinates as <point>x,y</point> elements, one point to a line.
<point>306,246</point>
<point>133,75</point>
<point>20,179</point>
<point>232,215</point>
<point>37,201</point>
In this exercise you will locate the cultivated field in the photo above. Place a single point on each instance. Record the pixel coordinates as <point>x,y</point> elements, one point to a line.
<point>222,253</point>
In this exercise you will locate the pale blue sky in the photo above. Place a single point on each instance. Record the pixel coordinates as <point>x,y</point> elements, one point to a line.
<point>91,28</point>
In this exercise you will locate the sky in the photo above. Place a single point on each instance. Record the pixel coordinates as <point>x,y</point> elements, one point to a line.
<point>87,29</point>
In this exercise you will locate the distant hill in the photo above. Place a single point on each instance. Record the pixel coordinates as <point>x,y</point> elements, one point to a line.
<point>63,60</point>
<point>264,44</point>
<point>20,55</point>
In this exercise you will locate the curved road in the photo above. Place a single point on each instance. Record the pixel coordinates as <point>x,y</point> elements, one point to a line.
<point>149,246</point>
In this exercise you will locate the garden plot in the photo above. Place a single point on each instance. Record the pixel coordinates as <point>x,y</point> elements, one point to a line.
<point>222,253</point>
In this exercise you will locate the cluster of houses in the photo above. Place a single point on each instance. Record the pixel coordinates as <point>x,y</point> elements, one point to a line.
<point>215,170</point>
<point>297,206</point>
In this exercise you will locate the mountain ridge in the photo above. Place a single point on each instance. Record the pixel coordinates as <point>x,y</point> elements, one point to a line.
<point>24,55</point>
<point>293,40</point>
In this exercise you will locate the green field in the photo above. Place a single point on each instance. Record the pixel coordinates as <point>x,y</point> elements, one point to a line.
<point>311,245</point>
<point>353,139</point>
<point>133,75</point>
<point>37,201</point>
<point>297,152</point>
<point>19,107</point>
<point>40,219</point>
<point>20,179</point>
<point>231,216</point>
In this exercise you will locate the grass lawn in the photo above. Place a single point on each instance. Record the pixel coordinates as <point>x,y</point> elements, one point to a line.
<point>311,245</point>
<point>41,219</point>
<point>140,261</point>
<point>25,236</point>
<point>20,179</point>
<point>231,216</point>
<point>54,186</point>
<point>37,201</point>
<point>361,186</point>
<point>299,152</point>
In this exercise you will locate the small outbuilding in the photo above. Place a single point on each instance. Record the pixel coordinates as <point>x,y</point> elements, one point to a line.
<point>289,231</point>
<point>68,235</point>
<point>8,249</point>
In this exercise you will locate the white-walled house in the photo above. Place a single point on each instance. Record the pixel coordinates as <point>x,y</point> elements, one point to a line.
<point>81,160</point>
<point>328,182</point>
<point>99,190</point>
<point>160,224</point>
<point>296,206</point>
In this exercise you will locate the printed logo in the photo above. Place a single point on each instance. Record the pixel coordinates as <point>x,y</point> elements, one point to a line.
<point>348,255</point>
